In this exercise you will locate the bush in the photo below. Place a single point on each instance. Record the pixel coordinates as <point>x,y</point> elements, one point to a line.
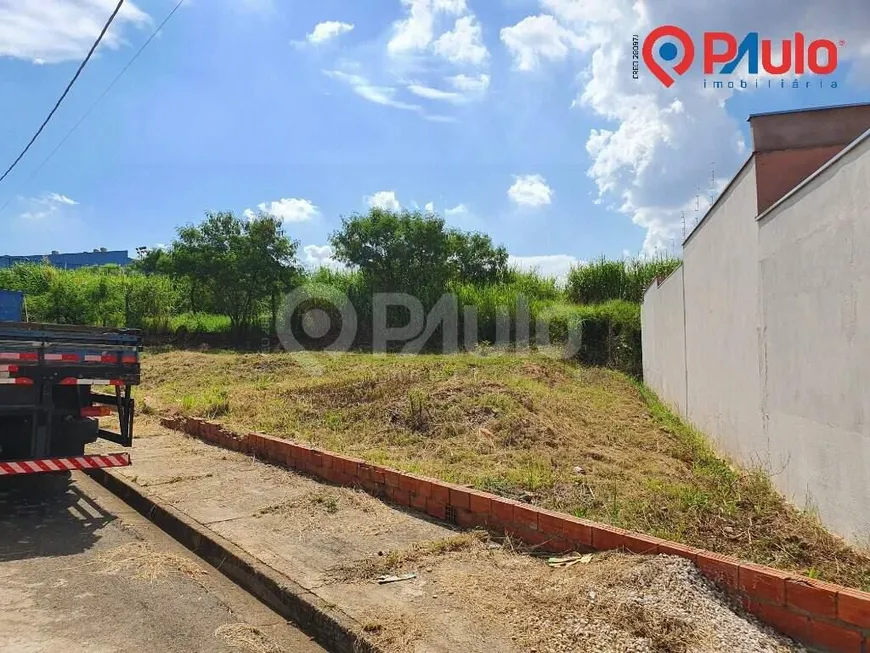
<point>104,296</point>
<point>609,333</point>
<point>602,280</point>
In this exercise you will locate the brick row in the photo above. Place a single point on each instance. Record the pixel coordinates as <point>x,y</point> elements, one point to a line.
<point>828,617</point>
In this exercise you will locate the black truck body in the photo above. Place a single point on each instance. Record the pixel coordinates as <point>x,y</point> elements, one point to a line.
<point>49,403</point>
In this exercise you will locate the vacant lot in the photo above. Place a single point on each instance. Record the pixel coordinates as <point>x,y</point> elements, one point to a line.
<point>585,441</point>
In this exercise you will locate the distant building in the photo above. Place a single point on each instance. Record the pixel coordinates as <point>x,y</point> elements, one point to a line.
<point>70,261</point>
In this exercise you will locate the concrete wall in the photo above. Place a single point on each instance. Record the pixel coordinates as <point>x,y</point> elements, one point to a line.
<point>776,339</point>
<point>664,340</point>
<point>815,346</point>
<point>721,279</point>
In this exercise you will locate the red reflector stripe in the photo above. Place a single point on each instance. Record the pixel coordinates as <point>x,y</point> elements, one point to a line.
<point>130,359</point>
<point>64,464</point>
<point>96,411</point>
<point>9,368</point>
<point>61,357</point>
<point>74,381</point>
<point>18,381</point>
<point>108,358</point>
<point>19,356</point>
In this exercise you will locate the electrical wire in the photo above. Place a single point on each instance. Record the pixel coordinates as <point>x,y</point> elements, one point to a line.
<point>66,90</point>
<point>98,100</point>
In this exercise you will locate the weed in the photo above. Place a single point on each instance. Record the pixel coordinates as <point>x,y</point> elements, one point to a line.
<point>517,426</point>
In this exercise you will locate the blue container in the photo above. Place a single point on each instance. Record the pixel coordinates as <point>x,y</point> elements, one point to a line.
<point>11,302</point>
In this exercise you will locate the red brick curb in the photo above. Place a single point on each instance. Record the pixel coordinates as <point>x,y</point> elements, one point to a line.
<point>825,616</point>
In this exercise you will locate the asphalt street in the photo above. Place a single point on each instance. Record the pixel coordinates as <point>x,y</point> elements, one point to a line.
<point>81,571</point>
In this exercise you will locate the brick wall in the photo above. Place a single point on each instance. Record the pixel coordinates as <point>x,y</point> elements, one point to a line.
<point>778,173</point>
<point>824,616</point>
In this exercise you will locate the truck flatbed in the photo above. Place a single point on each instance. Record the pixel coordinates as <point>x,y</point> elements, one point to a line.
<point>49,409</point>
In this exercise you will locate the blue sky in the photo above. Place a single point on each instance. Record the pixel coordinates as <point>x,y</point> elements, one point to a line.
<point>514,117</point>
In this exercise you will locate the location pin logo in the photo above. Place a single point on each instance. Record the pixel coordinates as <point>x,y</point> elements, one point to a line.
<point>668,52</point>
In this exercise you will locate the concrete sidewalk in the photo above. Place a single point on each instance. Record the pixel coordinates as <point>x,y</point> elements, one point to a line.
<point>466,594</point>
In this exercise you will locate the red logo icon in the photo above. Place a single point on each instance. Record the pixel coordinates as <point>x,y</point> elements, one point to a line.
<point>668,51</point>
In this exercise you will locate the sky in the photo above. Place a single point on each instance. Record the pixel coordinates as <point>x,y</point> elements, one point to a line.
<point>518,118</point>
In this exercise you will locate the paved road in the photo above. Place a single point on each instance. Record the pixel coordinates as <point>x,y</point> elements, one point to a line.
<point>81,571</point>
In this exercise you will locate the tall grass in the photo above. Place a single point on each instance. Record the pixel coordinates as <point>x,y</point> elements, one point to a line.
<point>113,296</point>
<point>107,296</point>
<point>603,280</point>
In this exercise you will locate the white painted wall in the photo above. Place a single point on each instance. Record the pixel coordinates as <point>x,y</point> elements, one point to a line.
<point>815,346</point>
<point>664,340</point>
<point>777,337</point>
<point>721,279</point>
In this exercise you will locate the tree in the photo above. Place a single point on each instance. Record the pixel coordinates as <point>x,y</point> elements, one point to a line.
<point>154,261</point>
<point>234,266</point>
<point>415,253</point>
<point>475,259</point>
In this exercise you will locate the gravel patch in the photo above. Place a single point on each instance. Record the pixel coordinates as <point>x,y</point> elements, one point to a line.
<point>615,603</point>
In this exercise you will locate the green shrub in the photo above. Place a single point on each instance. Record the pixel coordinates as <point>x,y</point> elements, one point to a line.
<point>602,280</point>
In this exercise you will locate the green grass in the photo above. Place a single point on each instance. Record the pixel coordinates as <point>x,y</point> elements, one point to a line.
<point>518,426</point>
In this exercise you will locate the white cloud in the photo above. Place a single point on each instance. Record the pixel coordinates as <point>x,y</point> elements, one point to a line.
<point>582,10</point>
<point>288,210</point>
<point>553,265</point>
<point>53,31</point>
<point>49,204</point>
<point>321,256</point>
<point>531,191</point>
<point>415,33</point>
<point>384,95</point>
<point>470,84</point>
<point>464,43</point>
<point>249,214</point>
<point>459,209</point>
<point>430,207</point>
<point>538,38</point>
<point>328,30</point>
<point>444,119</point>
<point>436,94</point>
<point>656,147</point>
<point>450,6</point>
<point>58,199</point>
<point>385,199</point>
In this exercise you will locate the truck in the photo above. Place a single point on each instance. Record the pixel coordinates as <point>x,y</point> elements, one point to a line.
<point>56,382</point>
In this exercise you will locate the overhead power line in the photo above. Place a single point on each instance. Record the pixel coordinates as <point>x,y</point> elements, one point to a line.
<point>66,90</point>
<point>109,87</point>
<point>100,98</point>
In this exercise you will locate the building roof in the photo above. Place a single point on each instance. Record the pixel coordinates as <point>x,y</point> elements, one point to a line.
<point>70,260</point>
<point>808,109</point>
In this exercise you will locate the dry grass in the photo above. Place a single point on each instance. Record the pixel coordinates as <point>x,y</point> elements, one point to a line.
<point>616,602</point>
<point>585,441</point>
<point>247,638</point>
<point>395,632</point>
<point>397,560</point>
<point>142,562</point>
